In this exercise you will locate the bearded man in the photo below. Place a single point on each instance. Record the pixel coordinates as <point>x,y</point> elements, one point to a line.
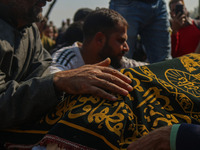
<point>104,35</point>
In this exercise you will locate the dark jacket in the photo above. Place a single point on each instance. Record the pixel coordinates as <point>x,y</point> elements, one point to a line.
<point>26,94</point>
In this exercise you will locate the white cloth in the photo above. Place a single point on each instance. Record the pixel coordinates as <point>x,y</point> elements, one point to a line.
<point>131,63</point>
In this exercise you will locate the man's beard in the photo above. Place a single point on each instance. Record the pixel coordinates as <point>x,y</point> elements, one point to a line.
<point>27,15</point>
<point>34,15</point>
<point>107,52</point>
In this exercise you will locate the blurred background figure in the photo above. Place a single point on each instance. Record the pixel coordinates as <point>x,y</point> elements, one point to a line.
<point>64,26</point>
<point>149,19</point>
<point>74,32</point>
<point>46,34</point>
<point>185,36</point>
<point>55,33</point>
<point>81,14</point>
<point>68,22</point>
<point>49,31</point>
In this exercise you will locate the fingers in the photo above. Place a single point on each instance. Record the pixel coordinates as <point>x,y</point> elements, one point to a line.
<point>180,18</point>
<point>104,63</point>
<point>95,91</point>
<point>100,88</point>
<point>113,84</point>
<point>117,74</point>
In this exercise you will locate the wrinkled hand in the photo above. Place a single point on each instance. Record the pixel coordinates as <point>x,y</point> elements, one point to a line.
<point>93,79</point>
<point>158,139</point>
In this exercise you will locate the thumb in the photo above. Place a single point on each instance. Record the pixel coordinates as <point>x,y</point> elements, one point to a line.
<point>104,63</point>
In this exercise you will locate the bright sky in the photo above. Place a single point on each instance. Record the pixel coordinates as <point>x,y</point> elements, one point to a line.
<point>66,8</point>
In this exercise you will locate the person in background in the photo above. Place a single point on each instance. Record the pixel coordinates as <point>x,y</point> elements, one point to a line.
<point>81,14</point>
<point>105,35</point>
<point>68,22</point>
<point>74,33</point>
<point>64,39</point>
<point>149,19</point>
<point>185,36</point>
<point>49,31</point>
<point>63,27</point>
<point>46,35</point>
<point>55,33</point>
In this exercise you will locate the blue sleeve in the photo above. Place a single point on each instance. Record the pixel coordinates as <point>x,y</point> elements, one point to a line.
<point>188,137</point>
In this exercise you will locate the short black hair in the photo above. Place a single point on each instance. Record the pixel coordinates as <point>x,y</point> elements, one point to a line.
<point>74,32</point>
<point>102,20</point>
<point>81,14</point>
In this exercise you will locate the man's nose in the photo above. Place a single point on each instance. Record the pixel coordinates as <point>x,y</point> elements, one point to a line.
<point>126,47</point>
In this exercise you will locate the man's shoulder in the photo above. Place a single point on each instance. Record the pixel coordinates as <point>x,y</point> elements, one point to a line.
<point>68,58</point>
<point>65,54</point>
<point>65,50</point>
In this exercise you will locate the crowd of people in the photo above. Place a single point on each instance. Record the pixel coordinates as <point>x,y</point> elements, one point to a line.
<point>173,37</point>
<point>40,64</point>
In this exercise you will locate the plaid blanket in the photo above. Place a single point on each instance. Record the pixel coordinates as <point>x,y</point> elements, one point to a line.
<point>164,93</point>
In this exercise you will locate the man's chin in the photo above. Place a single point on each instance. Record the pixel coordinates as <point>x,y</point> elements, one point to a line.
<point>39,17</point>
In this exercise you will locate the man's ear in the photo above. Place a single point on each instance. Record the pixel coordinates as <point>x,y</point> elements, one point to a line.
<point>100,39</point>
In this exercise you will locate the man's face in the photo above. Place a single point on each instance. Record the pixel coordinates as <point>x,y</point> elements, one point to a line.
<point>49,32</point>
<point>27,11</point>
<point>115,46</point>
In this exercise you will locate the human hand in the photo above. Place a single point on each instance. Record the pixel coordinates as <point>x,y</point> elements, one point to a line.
<point>94,79</point>
<point>158,139</point>
<point>178,21</point>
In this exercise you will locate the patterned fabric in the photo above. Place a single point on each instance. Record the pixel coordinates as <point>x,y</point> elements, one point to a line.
<point>164,93</point>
